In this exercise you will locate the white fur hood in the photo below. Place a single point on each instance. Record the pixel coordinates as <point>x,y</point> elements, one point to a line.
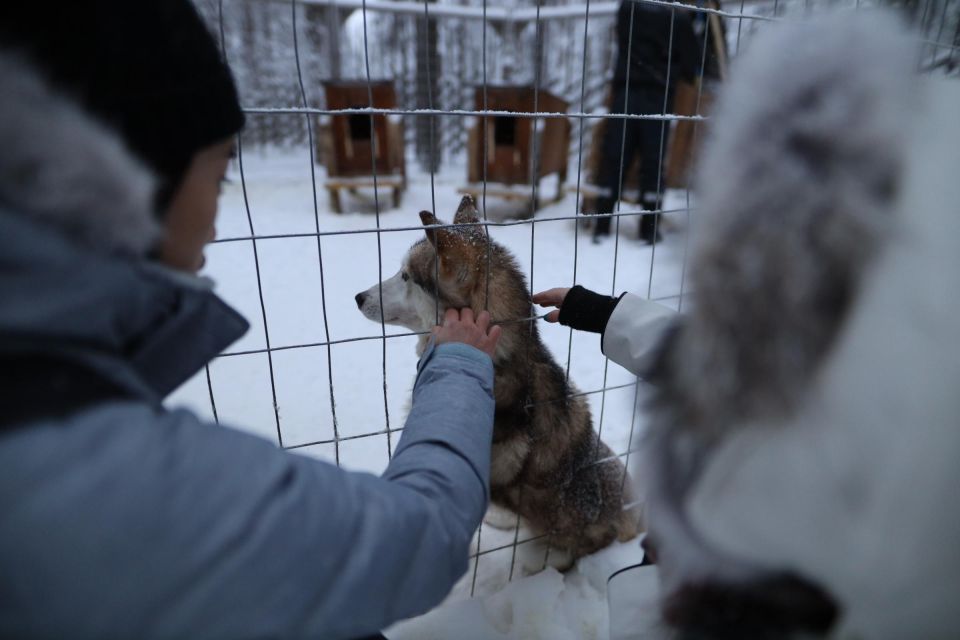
<point>857,489</point>
<point>808,420</point>
<point>63,169</point>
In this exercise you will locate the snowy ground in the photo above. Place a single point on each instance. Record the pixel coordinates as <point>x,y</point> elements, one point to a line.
<point>280,196</point>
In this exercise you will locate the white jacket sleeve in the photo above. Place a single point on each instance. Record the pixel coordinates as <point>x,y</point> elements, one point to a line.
<point>634,330</point>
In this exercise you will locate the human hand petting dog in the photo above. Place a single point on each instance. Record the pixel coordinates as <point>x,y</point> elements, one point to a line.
<point>551,298</point>
<point>460,326</point>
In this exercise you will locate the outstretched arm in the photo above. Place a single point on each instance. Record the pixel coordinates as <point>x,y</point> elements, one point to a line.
<point>630,326</point>
<point>170,527</point>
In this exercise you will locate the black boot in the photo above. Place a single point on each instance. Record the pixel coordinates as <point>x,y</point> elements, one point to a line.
<point>601,228</point>
<point>649,231</point>
<point>650,222</point>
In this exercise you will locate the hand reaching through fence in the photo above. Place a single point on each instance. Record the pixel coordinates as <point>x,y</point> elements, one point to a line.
<point>630,326</point>
<point>551,298</point>
<point>577,307</point>
<point>459,326</point>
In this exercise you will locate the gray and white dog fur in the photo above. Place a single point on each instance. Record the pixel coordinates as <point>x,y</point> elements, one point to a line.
<point>547,463</point>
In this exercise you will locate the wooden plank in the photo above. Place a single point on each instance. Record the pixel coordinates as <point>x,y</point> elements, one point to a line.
<point>508,194</point>
<point>505,194</point>
<point>588,190</point>
<point>353,183</point>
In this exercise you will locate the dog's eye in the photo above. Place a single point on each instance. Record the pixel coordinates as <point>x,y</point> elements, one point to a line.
<point>404,276</point>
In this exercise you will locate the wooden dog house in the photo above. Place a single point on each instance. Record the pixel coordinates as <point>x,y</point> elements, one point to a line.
<point>353,142</point>
<point>687,135</point>
<point>519,151</point>
<point>696,99</point>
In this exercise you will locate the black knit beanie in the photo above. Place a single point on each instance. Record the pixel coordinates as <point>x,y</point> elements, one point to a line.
<point>148,68</point>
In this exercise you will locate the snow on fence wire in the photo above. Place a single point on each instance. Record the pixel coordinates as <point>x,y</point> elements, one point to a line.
<point>564,48</point>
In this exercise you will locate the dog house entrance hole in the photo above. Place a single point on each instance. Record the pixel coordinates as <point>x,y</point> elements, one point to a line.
<point>360,126</point>
<point>504,131</point>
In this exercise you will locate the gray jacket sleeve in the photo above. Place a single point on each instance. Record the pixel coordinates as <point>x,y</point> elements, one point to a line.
<point>134,524</point>
<point>634,330</point>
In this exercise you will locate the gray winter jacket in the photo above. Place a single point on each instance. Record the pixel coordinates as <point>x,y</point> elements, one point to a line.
<point>125,520</point>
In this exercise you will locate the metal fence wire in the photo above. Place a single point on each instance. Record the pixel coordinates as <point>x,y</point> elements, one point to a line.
<point>437,54</point>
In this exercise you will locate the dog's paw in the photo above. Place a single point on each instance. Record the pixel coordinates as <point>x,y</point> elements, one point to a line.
<point>536,556</point>
<point>500,518</point>
<point>560,559</point>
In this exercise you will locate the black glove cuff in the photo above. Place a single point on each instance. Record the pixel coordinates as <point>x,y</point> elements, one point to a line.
<point>585,310</point>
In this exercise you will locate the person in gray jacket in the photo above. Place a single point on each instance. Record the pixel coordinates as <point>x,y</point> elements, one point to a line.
<point>120,518</point>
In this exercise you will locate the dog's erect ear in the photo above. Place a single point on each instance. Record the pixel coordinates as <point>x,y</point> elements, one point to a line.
<point>456,250</point>
<point>467,211</point>
<point>441,239</point>
<point>427,218</point>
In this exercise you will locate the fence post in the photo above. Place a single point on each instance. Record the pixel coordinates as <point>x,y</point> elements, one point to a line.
<point>334,25</point>
<point>427,75</point>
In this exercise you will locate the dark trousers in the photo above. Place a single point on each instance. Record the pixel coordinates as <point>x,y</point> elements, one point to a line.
<point>633,137</point>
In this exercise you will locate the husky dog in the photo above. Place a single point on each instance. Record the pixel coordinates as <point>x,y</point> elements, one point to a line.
<point>547,464</point>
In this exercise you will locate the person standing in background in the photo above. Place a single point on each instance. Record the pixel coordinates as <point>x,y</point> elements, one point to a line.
<point>656,46</point>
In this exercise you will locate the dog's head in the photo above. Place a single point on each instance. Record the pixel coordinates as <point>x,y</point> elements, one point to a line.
<point>445,269</point>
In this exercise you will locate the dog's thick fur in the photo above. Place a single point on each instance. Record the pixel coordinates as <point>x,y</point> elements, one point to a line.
<point>548,464</point>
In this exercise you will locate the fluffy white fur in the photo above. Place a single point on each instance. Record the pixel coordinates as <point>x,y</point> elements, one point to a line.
<point>807,415</point>
<point>796,195</point>
<point>404,303</point>
<point>858,489</point>
<point>65,170</point>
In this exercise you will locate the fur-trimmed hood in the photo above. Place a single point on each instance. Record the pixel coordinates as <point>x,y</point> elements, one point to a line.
<point>67,171</point>
<point>76,224</point>
<point>803,440</point>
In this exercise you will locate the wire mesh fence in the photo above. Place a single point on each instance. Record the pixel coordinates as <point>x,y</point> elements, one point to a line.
<point>305,374</point>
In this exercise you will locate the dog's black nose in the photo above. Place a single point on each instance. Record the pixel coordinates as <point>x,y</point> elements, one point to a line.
<point>360,297</point>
